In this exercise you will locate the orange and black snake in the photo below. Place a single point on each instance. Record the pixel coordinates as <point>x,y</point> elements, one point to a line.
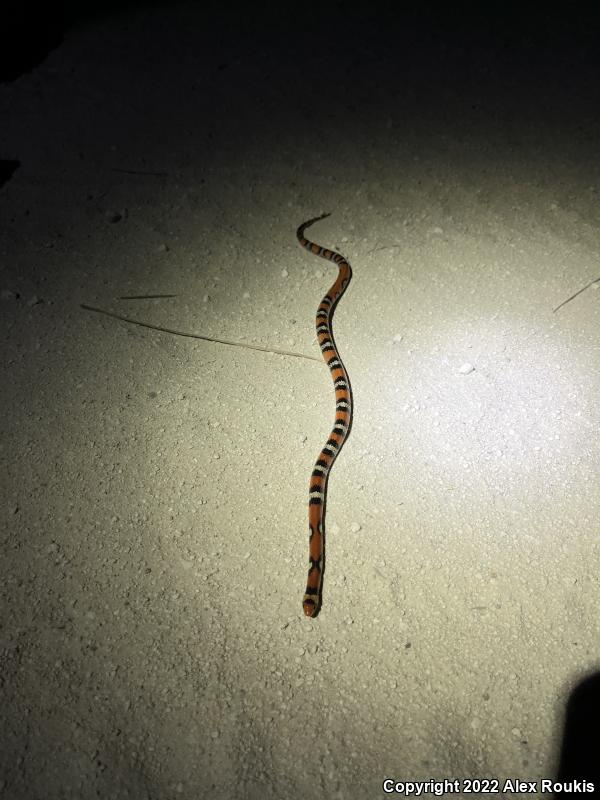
<point>343,420</point>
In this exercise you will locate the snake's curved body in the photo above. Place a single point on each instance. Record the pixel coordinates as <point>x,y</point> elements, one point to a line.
<point>343,420</point>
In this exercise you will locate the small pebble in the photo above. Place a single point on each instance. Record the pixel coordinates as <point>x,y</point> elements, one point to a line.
<point>466,368</point>
<point>246,295</point>
<point>113,216</point>
<point>7,294</point>
<point>398,337</point>
<point>284,273</point>
<point>34,300</point>
<point>163,248</point>
<point>355,527</point>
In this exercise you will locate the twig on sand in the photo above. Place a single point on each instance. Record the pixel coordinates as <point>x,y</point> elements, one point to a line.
<point>197,335</point>
<point>573,296</point>
<point>384,247</point>
<point>140,172</point>
<point>146,296</point>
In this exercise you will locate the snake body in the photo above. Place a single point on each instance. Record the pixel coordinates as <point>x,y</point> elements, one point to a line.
<point>311,602</point>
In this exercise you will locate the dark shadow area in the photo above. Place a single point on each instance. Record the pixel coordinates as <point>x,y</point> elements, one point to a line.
<point>7,167</point>
<point>579,757</point>
<point>28,35</point>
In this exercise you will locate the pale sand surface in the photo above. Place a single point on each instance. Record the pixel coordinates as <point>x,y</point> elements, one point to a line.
<point>154,488</point>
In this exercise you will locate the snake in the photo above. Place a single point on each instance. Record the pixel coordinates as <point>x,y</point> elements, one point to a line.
<point>312,600</point>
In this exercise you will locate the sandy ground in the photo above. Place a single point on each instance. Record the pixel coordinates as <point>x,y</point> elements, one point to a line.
<point>154,488</point>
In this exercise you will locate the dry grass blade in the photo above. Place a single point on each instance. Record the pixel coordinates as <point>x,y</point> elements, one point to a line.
<point>573,296</point>
<point>197,335</point>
